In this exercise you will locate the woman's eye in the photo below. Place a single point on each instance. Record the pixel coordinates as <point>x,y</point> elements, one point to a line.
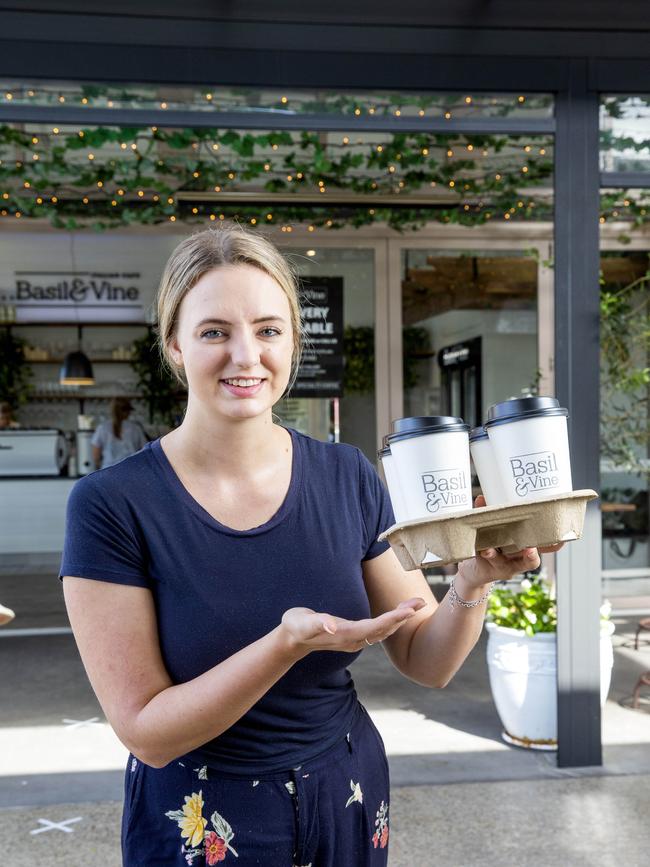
<point>270,331</point>
<point>212,332</point>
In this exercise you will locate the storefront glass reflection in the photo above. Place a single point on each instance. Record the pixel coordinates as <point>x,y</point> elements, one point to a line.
<point>624,434</point>
<point>349,417</point>
<point>473,317</point>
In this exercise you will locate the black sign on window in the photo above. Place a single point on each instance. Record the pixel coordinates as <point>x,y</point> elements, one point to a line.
<point>321,370</point>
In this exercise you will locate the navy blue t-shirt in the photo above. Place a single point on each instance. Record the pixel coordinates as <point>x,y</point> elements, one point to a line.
<point>217,590</point>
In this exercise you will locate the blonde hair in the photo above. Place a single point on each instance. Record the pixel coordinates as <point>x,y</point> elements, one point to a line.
<point>227,244</point>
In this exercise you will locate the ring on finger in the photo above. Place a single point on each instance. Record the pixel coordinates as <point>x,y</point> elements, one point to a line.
<point>369,643</point>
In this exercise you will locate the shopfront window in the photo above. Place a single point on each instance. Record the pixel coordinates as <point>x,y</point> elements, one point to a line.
<point>625,437</point>
<point>625,134</point>
<point>341,346</point>
<point>470,330</point>
<point>217,99</point>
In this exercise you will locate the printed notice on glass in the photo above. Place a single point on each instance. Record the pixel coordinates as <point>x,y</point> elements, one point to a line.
<point>321,370</point>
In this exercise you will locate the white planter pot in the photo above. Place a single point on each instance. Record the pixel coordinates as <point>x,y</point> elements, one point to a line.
<point>523,678</point>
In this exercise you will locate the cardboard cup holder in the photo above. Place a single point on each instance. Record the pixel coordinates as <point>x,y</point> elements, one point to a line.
<point>449,538</point>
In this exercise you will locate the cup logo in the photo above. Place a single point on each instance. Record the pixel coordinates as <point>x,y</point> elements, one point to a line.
<point>534,472</point>
<point>445,489</point>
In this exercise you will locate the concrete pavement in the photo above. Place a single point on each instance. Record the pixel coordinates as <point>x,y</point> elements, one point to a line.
<point>460,797</point>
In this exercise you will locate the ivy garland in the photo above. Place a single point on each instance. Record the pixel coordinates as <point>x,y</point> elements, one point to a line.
<point>136,179</point>
<point>73,188</point>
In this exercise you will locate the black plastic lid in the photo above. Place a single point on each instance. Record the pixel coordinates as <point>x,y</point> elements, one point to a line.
<point>523,407</point>
<point>418,425</point>
<point>478,433</point>
<point>418,422</point>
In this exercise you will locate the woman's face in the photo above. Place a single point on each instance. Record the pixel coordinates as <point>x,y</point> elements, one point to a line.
<point>235,342</point>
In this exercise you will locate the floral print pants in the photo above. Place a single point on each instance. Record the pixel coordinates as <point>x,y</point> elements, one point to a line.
<point>330,811</point>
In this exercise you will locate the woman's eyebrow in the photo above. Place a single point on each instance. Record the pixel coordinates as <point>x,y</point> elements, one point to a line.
<point>270,318</point>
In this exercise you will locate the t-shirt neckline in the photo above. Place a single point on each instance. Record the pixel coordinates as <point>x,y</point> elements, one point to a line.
<point>184,495</point>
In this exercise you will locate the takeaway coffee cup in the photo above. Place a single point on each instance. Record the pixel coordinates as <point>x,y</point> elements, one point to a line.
<point>486,468</point>
<point>431,460</point>
<point>531,447</point>
<point>392,482</point>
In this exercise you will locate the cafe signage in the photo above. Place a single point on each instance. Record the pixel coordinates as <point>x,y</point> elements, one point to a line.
<point>461,354</point>
<point>321,370</point>
<point>89,296</point>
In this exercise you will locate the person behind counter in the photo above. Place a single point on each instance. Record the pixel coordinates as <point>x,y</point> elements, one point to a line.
<point>7,420</point>
<point>118,438</point>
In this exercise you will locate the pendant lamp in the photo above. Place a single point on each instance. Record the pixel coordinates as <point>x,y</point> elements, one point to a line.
<point>76,368</point>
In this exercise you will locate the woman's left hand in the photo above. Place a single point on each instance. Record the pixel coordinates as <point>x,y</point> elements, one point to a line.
<point>491,565</point>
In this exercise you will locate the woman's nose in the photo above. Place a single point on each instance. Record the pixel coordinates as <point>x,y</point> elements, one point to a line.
<point>244,350</point>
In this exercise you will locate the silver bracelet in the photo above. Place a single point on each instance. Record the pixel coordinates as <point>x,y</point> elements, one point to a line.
<point>454,598</point>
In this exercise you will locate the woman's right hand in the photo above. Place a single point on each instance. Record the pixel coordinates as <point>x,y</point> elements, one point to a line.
<point>306,630</point>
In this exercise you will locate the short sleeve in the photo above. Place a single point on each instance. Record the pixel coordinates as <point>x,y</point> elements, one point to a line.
<point>376,508</point>
<point>99,437</point>
<point>101,539</point>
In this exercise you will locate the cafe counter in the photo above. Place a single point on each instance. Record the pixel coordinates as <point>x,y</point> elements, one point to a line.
<point>32,517</point>
<point>33,495</point>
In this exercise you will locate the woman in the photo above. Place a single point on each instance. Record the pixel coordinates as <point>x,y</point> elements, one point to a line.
<point>236,576</point>
<point>118,438</point>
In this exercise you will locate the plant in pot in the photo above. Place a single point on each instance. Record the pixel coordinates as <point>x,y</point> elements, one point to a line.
<point>522,660</point>
<point>15,372</point>
<point>156,384</point>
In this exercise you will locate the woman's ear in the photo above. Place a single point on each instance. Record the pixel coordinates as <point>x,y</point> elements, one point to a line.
<point>175,352</point>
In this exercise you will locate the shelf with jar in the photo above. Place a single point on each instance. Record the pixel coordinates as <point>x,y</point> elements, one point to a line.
<point>102,348</point>
<point>141,377</point>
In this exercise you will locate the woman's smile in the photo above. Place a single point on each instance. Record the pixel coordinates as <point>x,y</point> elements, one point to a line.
<point>243,386</point>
